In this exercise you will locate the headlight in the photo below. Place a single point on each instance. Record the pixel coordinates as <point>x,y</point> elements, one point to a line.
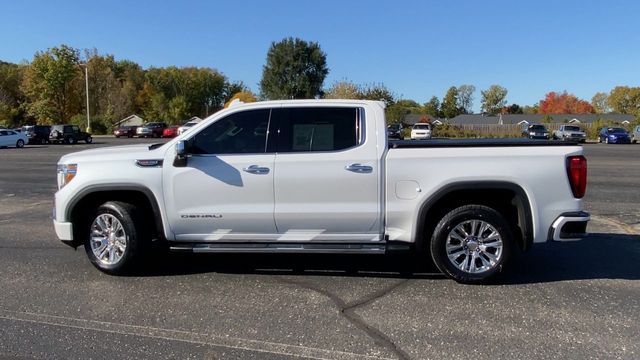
<point>66,173</point>
<point>545,134</point>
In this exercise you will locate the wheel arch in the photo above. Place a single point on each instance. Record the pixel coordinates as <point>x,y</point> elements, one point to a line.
<point>95,195</point>
<point>508,198</point>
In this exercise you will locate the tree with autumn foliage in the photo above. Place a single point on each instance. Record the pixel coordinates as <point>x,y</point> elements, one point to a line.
<point>564,103</point>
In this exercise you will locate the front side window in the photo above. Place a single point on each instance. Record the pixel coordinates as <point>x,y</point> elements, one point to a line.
<point>318,129</point>
<point>240,133</point>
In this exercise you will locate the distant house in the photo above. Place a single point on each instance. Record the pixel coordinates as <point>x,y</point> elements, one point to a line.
<point>131,120</point>
<point>526,119</point>
<point>411,119</point>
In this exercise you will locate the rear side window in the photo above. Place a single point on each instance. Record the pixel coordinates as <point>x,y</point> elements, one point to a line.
<point>317,129</point>
<point>240,133</point>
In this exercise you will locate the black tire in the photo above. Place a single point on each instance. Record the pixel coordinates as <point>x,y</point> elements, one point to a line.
<point>74,141</point>
<point>43,141</point>
<point>20,143</point>
<point>462,217</point>
<point>134,233</point>
<point>88,140</point>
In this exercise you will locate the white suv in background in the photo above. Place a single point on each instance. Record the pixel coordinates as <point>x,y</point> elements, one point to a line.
<point>421,131</point>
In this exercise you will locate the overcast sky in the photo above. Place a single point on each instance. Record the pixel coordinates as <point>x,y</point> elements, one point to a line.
<point>416,48</point>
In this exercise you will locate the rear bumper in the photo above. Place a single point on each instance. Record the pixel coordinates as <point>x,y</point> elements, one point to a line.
<point>569,226</point>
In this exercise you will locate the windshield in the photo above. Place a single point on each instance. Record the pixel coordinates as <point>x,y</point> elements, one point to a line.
<point>537,128</point>
<point>617,130</point>
<point>394,127</point>
<point>421,126</point>
<point>572,128</point>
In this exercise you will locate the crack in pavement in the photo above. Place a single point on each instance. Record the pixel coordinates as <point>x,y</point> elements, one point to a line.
<point>348,311</point>
<point>628,229</point>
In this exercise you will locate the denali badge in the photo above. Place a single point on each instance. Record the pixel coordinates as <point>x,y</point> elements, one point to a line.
<point>201,216</point>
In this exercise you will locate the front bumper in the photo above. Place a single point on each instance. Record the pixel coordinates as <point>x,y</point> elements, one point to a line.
<point>64,231</point>
<point>569,226</point>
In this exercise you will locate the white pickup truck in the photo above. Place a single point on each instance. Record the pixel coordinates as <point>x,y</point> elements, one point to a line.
<point>320,176</point>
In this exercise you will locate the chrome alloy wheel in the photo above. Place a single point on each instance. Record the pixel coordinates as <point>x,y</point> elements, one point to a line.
<point>474,246</point>
<point>108,239</point>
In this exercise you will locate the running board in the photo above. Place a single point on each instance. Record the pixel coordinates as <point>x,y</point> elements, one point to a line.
<point>280,248</point>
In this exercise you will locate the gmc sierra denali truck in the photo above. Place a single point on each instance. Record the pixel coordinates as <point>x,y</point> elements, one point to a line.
<point>320,176</point>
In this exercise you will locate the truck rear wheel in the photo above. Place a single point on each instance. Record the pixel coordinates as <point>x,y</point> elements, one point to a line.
<point>471,244</point>
<point>113,241</point>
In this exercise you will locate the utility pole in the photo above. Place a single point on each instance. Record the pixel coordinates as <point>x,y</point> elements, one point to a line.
<point>86,81</point>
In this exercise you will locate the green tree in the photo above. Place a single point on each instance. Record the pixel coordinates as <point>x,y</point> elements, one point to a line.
<point>378,92</point>
<point>534,109</point>
<point>494,99</point>
<point>396,112</point>
<point>344,90</point>
<point>465,98</point>
<point>625,100</point>
<point>449,106</point>
<point>178,110</point>
<point>599,103</point>
<point>432,107</point>
<point>52,85</point>
<point>11,95</point>
<point>295,69</point>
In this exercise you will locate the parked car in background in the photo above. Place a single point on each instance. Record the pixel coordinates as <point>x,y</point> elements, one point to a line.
<point>37,134</point>
<point>395,131</point>
<point>570,133</point>
<point>12,138</point>
<point>635,136</point>
<point>171,131</point>
<point>152,129</point>
<point>614,135</point>
<point>68,134</point>
<point>187,126</point>
<point>536,131</point>
<point>128,131</point>
<point>421,131</point>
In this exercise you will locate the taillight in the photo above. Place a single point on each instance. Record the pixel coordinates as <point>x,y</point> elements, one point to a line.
<point>577,173</point>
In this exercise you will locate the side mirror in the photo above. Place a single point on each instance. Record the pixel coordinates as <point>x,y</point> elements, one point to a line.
<point>181,154</point>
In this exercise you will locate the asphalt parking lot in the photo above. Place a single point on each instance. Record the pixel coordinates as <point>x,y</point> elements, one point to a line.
<point>571,300</point>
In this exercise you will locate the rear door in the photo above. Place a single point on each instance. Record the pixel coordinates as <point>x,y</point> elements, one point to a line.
<point>327,175</point>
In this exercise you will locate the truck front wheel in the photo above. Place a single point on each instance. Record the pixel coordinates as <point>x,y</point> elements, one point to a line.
<point>471,243</point>
<point>113,242</point>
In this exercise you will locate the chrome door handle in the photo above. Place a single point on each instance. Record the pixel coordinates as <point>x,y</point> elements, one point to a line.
<point>255,169</point>
<point>359,168</point>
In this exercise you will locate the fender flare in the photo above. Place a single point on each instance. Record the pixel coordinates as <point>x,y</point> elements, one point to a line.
<point>92,189</point>
<point>523,204</point>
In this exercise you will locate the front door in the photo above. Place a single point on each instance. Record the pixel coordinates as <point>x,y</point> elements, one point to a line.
<point>225,192</point>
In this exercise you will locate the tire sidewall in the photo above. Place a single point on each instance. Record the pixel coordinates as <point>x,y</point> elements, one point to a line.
<point>20,143</point>
<point>124,214</point>
<point>454,218</point>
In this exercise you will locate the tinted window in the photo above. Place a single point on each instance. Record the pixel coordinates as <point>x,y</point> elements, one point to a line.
<point>240,133</point>
<point>317,129</point>
<point>572,128</point>
<point>421,126</point>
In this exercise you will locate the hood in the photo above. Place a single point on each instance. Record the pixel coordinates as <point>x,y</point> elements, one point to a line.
<point>134,152</point>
